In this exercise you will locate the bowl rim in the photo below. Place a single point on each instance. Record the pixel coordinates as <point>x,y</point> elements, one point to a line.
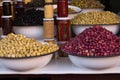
<point>91,56</point>
<point>31,56</point>
<point>69,6</point>
<point>27,57</point>
<point>94,24</point>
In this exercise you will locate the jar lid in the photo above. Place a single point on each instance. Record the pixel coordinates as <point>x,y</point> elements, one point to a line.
<point>6,1</point>
<point>6,16</point>
<point>48,19</point>
<point>63,18</point>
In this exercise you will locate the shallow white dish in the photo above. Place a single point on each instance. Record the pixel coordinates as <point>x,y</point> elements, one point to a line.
<point>26,63</point>
<point>71,15</point>
<point>96,63</point>
<point>30,31</point>
<point>77,29</point>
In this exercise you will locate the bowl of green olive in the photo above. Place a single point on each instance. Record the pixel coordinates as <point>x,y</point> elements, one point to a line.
<point>106,19</point>
<point>19,53</point>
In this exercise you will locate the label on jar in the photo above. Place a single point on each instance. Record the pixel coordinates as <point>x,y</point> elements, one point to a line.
<point>63,30</point>
<point>7,26</point>
<point>49,29</point>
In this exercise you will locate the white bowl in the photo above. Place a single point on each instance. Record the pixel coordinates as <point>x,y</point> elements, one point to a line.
<point>77,29</point>
<point>90,10</point>
<point>71,15</point>
<point>96,63</point>
<point>30,31</point>
<point>25,64</point>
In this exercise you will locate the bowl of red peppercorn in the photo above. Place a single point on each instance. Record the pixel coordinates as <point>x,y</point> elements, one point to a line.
<point>94,48</point>
<point>80,28</point>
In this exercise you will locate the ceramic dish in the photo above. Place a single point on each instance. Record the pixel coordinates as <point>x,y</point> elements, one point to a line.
<point>96,63</point>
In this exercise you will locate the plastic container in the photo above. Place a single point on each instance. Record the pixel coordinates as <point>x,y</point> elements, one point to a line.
<point>49,28</point>
<point>62,8</point>
<point>7,25</point>
<point>63,29</point>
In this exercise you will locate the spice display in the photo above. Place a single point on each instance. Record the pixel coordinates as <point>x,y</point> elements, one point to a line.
<point>95,17</point>
<point>7,7</point>
<point>48,1</point>
<point>95,41</point>
<point>70,10</point>
<point>48,13</point>
<point>7,26</point>
<point>18,46</point>
<point>87,4</point>
<point>62,8</point>
<point>49,28</point>
<point>63,29</point>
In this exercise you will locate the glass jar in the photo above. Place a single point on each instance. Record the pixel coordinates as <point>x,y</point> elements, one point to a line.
<point>62,8</point>
<point>63,29</point>
<point>49,11</point>
<point>48,28</point>
<point>7,25</point>
<point>7,7</point>
<point>0,13</point>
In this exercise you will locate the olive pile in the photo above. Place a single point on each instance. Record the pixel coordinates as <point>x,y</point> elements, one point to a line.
<point>35,3</point>
<point>95,17</point>
<point>18,46</point>
<point>32,17</point>
<point>87,4</point>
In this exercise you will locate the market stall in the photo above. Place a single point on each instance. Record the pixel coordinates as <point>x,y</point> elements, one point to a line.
<point>48,38</point>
